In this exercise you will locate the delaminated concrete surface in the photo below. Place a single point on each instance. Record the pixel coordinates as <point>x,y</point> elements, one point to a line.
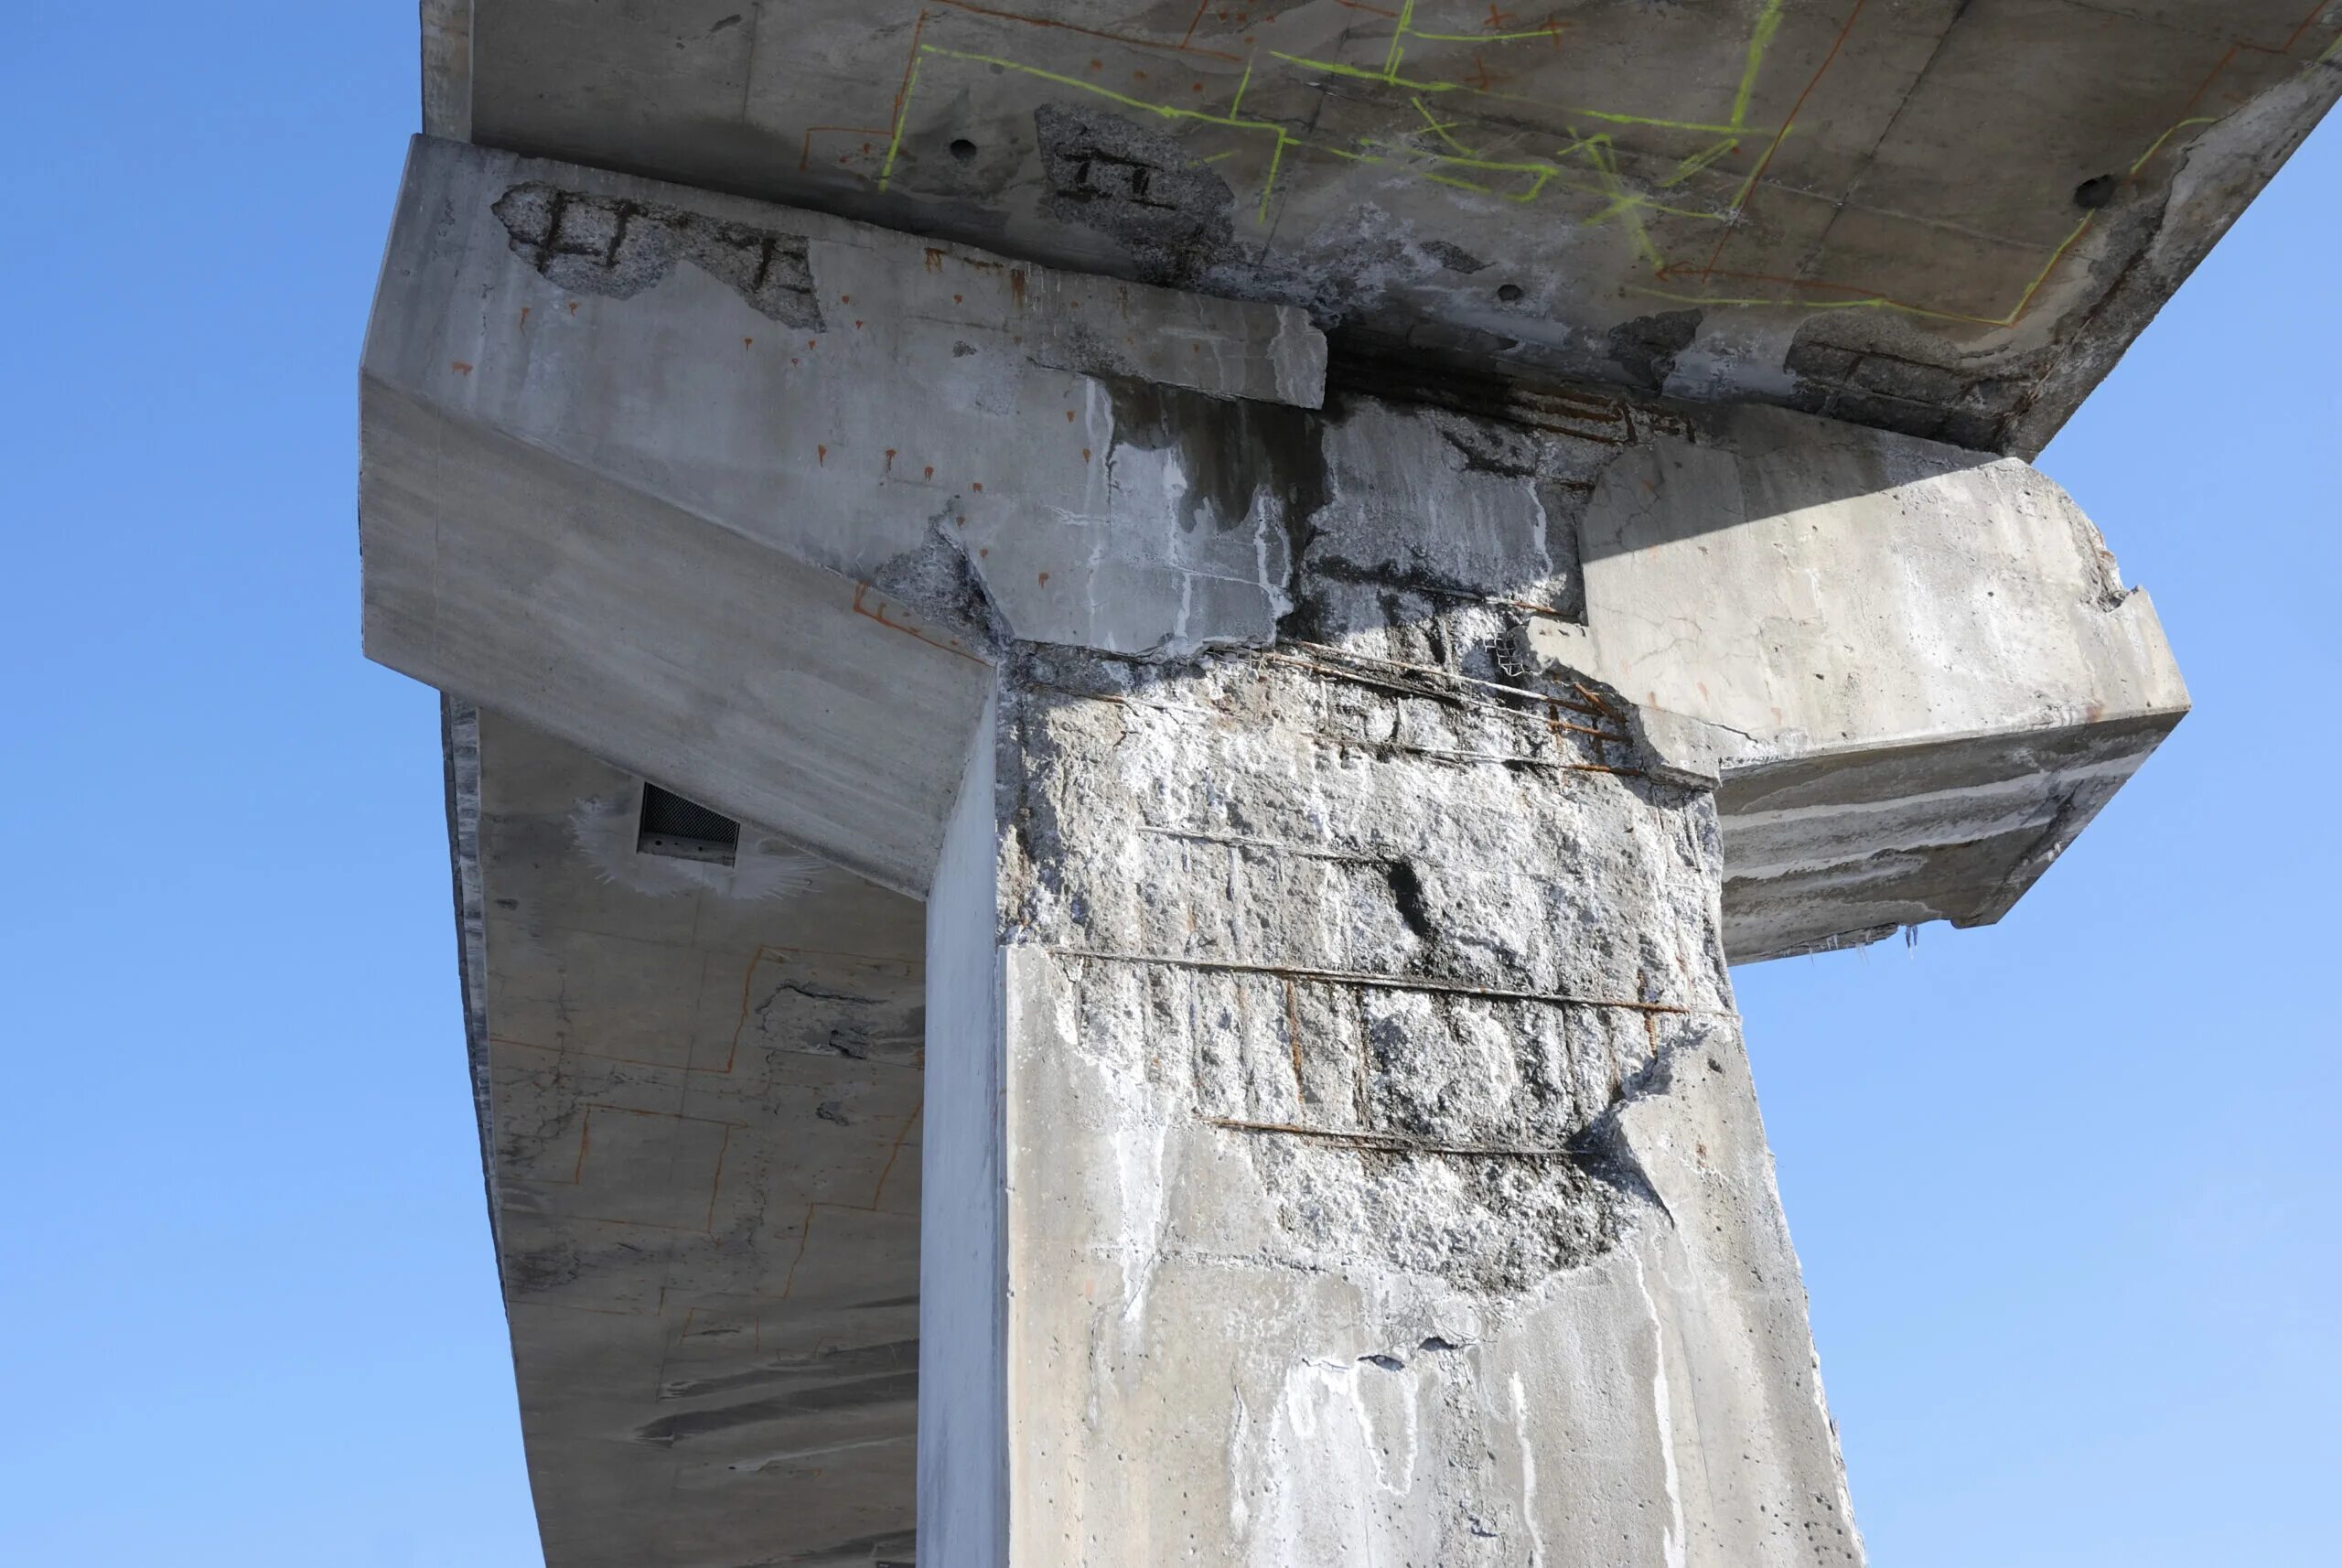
<point>1383,1179</point>
<point>1947,218</point>
<point>1344,1140</point>
<point>701,1113</point>
<point>643,517</point>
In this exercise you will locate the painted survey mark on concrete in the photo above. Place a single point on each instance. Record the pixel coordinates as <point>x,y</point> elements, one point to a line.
<point>1584,162</point>
<point>1431,63</point>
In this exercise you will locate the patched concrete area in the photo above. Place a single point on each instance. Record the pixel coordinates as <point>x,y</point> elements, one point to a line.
<point>700,1094</point>
<point>1946,218</point>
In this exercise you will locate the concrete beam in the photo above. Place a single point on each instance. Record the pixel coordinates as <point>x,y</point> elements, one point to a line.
<point>1915,672</point>
<point>1947,218</point>
<point>745,499</point>
<point>447,69</point>
<point>1341,1147</point>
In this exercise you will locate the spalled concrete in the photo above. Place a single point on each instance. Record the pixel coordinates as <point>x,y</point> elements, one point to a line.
<point>1355,561</point>
<point>917,485</point>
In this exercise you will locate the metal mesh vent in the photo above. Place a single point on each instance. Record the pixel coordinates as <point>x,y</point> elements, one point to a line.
<point>685,829</point>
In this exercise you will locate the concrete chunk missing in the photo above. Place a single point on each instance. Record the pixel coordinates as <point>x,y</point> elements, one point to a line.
<point>617,247</point>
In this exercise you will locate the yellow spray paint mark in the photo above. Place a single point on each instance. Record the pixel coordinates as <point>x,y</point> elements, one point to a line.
<point>1462,167</point>
<point>1760,39</point>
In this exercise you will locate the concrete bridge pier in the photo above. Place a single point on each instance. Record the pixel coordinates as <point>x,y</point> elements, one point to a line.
<point>1337,792</point>
<point>1340,1145</point>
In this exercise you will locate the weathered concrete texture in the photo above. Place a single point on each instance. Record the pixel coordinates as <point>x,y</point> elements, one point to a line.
<point>1914,670</point>
<point>963,1444</point>
<point>614,485</point>
<point>1919,672</point>
<point>1967,825</point>
<point>702,1098</point>
<point>646,516</point>
<point>1382,1176</point>
<point>448,68</point>
<point>1946,218</point>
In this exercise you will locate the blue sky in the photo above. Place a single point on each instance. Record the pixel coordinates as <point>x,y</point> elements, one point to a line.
<point>2065,1188</point>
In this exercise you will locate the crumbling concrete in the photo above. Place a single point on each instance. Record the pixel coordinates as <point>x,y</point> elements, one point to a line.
<point>1367,1149</point>
<point>1336,792</point>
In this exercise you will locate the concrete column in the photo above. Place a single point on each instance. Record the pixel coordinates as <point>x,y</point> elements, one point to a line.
<point>1341,1147</point>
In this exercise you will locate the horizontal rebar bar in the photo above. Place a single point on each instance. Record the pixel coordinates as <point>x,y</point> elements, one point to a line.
<point>1390,983</point>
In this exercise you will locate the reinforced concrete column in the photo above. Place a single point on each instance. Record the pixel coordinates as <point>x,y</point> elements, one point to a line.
<point>1340,1146</point>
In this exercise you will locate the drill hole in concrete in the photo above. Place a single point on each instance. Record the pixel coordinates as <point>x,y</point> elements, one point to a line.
<point>1509,293</point>
<point>962,148</point>
<point>2097,191</point>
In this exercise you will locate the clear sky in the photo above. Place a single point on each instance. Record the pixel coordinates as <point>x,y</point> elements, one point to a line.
<point>2065,1189</point>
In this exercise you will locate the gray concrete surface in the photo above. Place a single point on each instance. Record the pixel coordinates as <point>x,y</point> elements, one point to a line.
<point>963,1266</point>
<point>1943,217</point>
<point>700,1117</point>
<point>624,502</point>
<point>1384,1181</point>
<point>1281,542</point>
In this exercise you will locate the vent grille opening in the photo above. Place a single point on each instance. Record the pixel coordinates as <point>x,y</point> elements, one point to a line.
<point>684,830</point>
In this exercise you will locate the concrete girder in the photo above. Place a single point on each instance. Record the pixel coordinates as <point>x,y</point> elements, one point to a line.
<point>1947,218</point>
<point>573,512</point>
<point>756,535</point>
<point>1340,1143</point>
<point>700,1094</point>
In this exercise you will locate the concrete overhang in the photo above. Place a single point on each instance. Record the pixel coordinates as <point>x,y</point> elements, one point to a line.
<point>703,522</point>
<point>741,497</point>
<point>698,1091</point>
<point>1947,218</point>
